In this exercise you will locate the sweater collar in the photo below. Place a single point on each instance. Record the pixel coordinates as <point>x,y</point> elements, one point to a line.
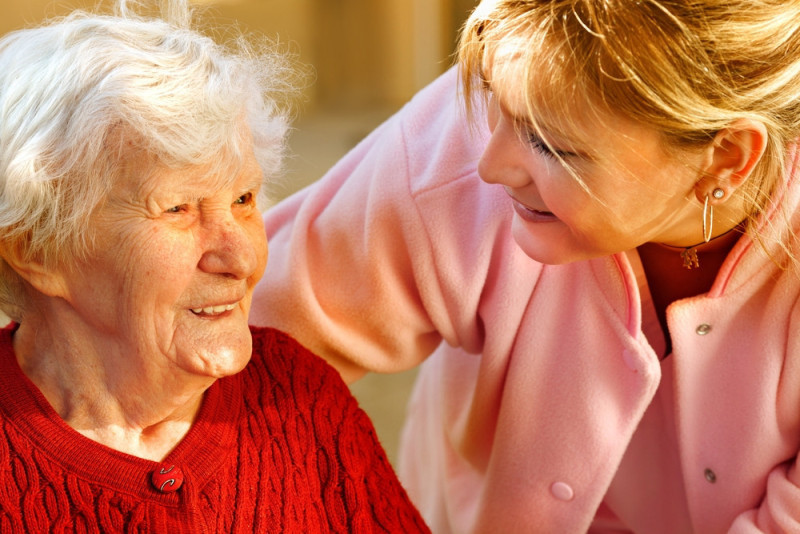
<point>199,454</point>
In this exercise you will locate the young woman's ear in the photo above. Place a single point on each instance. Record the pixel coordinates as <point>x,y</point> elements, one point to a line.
<point>46,280</point>
<point>731,157</point>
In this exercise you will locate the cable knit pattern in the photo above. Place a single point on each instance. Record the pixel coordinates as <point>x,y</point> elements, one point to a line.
<point>280,447</point>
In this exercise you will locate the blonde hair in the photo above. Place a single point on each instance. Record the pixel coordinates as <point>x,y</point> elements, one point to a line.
<point>78,92</point>
<point>686,68</point>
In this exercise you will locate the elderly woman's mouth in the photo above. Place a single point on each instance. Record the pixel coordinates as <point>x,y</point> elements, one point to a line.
<point>214,310</point>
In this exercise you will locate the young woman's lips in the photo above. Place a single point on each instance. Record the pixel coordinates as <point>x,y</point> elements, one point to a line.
<point>532,215</point>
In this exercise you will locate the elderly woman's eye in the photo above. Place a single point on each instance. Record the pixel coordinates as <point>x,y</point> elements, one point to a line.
<point>244,199</point>
<point>176,209</point>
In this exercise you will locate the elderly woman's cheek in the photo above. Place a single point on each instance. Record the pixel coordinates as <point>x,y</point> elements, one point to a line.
<point>258,242</point>
<point>263,253</point>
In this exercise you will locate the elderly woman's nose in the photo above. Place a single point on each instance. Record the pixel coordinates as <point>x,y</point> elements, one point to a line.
<point>229,249</point>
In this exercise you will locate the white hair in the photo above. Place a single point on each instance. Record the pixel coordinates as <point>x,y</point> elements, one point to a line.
<point>77,91</point>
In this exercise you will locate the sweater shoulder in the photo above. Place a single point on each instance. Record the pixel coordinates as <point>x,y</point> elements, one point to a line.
<point>279,361</point>
<point>273,348</point>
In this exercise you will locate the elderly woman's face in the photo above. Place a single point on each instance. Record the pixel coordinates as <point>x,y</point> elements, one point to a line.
<point>170,280</point>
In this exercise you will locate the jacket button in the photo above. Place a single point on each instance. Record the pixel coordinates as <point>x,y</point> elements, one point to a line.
<point>167,478</point>
<point>703,329</point>
<point>630,360</point>
<point>710,475</point>
<point>562,491</point>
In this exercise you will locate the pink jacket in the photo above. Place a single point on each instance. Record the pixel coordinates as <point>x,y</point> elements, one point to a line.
<point>536,378</point>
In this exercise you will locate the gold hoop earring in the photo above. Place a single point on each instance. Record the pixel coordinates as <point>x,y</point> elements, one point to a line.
<point>708,220</point>
<point>689,254</point>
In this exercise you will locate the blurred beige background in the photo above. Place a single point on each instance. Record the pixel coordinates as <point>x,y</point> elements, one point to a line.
<point>368,57</point>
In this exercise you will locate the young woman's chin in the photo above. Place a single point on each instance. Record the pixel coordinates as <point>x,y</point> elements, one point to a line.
<point>548,242</point>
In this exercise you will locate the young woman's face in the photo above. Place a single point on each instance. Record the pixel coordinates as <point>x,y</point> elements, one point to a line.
<point>635,191</point>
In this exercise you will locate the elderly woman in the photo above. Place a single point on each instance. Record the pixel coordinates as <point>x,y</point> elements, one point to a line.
<point>133,394</point>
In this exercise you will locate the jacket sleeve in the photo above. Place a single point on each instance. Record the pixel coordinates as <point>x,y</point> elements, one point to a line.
<point>377,262</point>
<point>778,510</point>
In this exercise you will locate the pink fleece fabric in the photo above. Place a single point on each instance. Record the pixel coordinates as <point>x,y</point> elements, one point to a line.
<point>541,400</point>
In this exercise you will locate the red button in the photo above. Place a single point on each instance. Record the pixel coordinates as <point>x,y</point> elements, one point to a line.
<point>167,479</point>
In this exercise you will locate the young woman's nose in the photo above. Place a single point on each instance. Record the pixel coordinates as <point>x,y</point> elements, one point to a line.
<point>503,159</point>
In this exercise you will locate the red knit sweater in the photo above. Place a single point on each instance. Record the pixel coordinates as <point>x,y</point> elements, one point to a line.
<point>280,447</point>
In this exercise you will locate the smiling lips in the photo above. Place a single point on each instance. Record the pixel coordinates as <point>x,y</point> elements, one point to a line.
<point>532,215</point>
<point>214,310</point>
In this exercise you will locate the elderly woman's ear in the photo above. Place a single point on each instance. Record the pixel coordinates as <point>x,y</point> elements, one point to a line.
<point>44,279</point>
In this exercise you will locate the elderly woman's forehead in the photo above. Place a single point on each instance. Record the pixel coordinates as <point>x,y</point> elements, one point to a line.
<point>144,177</point>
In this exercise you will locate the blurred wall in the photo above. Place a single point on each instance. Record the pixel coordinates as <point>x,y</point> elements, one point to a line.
<point>365,53</point>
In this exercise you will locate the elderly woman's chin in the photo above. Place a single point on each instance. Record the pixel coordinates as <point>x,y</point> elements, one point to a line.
<point>213,346</point>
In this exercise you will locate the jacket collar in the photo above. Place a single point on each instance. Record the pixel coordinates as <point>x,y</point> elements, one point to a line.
<point>776,240</point>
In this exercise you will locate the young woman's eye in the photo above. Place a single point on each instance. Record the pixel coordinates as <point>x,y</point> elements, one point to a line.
<point>247,198</point>
<point>485,85</point>
<point>538,143</point>
<point>540,146</point>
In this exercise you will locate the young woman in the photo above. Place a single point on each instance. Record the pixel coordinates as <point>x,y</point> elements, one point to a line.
<point>600,269</point>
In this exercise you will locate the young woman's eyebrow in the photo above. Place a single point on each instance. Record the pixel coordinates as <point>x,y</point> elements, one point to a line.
<point>560,143</point>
